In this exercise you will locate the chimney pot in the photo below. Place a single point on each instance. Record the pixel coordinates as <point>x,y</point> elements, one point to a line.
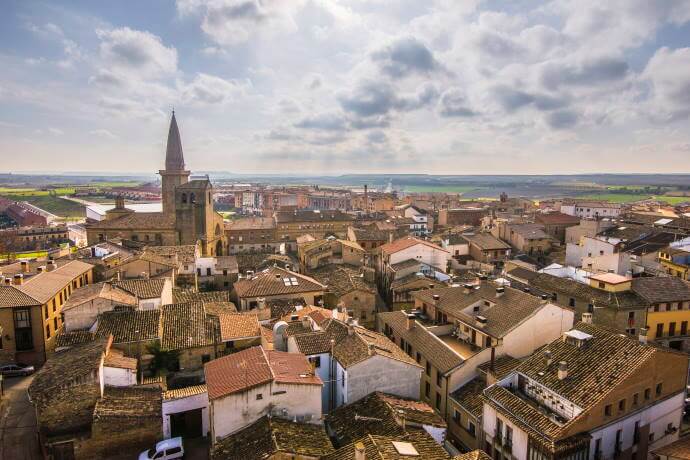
<point>24,266</point>
<point>8,280</point>
<point>643,335</point>
<point>410,321</point>
<point>436,297</point>
<point>562,370</point>
<point>51,266</point>
<point>18,279</point>
<point>548,358</point>
<point>360,452</point>
<point>500,291</point>
<point>587,318</point>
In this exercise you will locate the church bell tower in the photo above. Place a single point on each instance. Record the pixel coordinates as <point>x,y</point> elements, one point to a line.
<point>174,173</point>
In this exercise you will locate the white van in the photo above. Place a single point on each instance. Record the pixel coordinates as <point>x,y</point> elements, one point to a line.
<point>164,450</point>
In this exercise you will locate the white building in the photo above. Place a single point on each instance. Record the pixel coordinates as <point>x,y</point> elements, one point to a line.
<point>592,394</point>
<point>184,407</point>
<point>354,362</point>
<point>591,209</point>
<point>247,385</point>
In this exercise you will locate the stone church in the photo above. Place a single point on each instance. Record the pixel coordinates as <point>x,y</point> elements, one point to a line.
<point>187,218</point>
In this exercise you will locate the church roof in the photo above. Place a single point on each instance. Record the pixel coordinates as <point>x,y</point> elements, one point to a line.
<point>138,221</point>
<point>174,159</point>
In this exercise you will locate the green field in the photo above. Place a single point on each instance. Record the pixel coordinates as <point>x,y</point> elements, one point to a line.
<point>53,204</point>
<point>18,193</point>
<point>106,184</point>
<point>439,188</point>
<point>630,197</point>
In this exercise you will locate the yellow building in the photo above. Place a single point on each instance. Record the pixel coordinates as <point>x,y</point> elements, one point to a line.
<point>676,262</point>
<point>668,313</point>
<point>31,300</point>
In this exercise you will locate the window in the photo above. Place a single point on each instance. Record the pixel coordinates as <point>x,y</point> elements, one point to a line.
<point>636,433</point>
<point>208,272</point>
<point>428,368</point>
<point>55,324</point>
<point>205,358</point>
<point>659,330</point>
<point>607,410</point>
<point>672,328</point>
<point>602,285</point>
<point>684,328</point>
<point>45,312</point>
<point>597,447</point>
<point>456,416</point>
<point>53,302</point>
<point>659,388</point>
<point>472,429</point>
<point>259,396</point>
<point>621,405</point>
<point>184,197</point>
<point>427,390</point>
<point>316,361</point>
<point>438,400</point>
<point>647,393</point>
<point>636,399</point>
<point>571,302</point>
<point>438,378</point>
<point>418,357</point>
<point>192,198</point>
<point>47,331</point>
<point>173,451</point>
<point>22,330</point>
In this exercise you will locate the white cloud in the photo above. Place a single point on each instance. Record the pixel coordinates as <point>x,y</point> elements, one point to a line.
<point>137,53</point>
<point>208,89</point>
<point>55,131</point>
<point>103,133</point>
<point>668,73</point>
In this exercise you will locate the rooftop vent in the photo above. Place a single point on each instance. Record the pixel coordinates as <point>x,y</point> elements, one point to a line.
<point>587,318</point>
<point>562,370</point>
<point>548,357</point>
<point>500,291</point>
<point>480,320</point>
<point>436,297</point>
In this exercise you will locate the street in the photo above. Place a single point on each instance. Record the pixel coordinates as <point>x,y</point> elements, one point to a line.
<point>18,440</point>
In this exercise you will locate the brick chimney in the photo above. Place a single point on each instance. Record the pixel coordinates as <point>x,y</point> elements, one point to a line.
<point>8,280</point>
<point>41,269</point>
<point>18,279</point>
<point>25,266</point>
<point>409,324</point>
<point>51,266</point>
<point>587,318</point>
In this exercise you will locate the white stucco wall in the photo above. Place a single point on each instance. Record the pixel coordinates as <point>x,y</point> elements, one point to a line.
<point>520,438</point>
<point>238,410</point>
<point>543,327</point>
<point>116,377</point>
<point>174,406</point>
<point>379,373</point>
<point>435,257</point>
<point>83,316</point>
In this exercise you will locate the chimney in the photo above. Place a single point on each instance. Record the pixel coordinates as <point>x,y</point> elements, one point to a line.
<point>306,322</point>
<point>500,291</point>
<point>51,266</point>
<point>25,266</point>
<point>144,275</point>
<point>8,280</point>
<point>587,318</point>
<point>467,288</point>
<point>436,298</point>
<point>390,237</point>
<point>548,358</point>
<point>350,328</point>
<point>360,452</point>
<point>562,370</point>
<point>643,335</point>
<point>410,322</point>
<point>18,279</point>
<point>41,269</point>
<point>480,320</point>
<point>544,299</point>
<point>366,199</point>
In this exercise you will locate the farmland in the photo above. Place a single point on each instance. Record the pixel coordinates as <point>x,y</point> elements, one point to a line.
<point>53,204</point>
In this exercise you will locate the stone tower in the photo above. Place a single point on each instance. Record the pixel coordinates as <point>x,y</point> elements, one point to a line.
<point>174,173</point>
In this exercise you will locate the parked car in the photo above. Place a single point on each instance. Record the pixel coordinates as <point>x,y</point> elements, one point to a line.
<point>16,370</point>
<point>164,450</point>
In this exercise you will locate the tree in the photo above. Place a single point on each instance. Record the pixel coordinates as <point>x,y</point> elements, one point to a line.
<point>163,361</point>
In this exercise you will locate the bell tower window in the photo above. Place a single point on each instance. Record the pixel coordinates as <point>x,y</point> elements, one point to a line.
<point>191,198</point>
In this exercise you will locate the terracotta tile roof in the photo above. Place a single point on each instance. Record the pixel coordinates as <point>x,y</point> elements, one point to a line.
<point>313,343</point>
<point>99,290</point>
<point>116,358</point>
<point>363,343</point>
<point>522,273</point>
<point>185,392</point>
<point>297,328</point>
<point>183,254</point>
<point>137,221</point>
<point>661,289</point>
<point>469,396</point>
<point>434,350</point>
<point>312,216</point>
<point>128,325</point>
<point>186,325</point>
<point>251,223</point>
<point>143,288</point>
<point>270,437</point>
<point>383,447</point>
<point>586,293</point>
<point>11,296</point>
<point>148,256</point>
<point>69,339</point>
<point>234,326</point>
<point>415,281</point>
<point>370,233</point>
<point>503,315</point>
<point>181,296</point>
<point>318,314</point>
<point>124,404</point>
<point>503,365</point>
<point>404,243</point>
<point>342,279</point>
<point>46,285</point>
<point>486,242</point>
<point>556,218</point>
<point>477,454</point>
<point>409,263</point>
<point>281,307</point>
<point>271,282</point>
<point>67,368</point>
<point>254,366</point>
<point>676,450</point>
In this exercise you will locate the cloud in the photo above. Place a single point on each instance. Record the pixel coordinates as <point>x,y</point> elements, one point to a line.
<point>512,99</point>
<point>404,57</point>
<point>372,98</point>
<point>231,22</point>
<point>377,137</point>
<point>55,131</point>
<point>453,103</point>
<point>668,74</point>
<point>562,119</point>
<point>588,72</point>
<point>208,89</point>
<point>324,122</point>
<point>103,133</point>
<point>137,53</point>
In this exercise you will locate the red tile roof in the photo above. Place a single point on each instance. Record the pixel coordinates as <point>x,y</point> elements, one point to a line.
<point>404,243</point>
<point>254,366</point>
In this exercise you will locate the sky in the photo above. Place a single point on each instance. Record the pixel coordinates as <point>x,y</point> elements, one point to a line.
<point>347,86</point>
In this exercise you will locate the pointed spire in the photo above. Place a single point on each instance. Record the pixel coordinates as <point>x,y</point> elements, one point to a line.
<point>174,159</point>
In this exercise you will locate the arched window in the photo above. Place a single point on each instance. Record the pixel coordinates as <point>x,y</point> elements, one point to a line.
<point>191,198</point>
<point>184,197</point>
